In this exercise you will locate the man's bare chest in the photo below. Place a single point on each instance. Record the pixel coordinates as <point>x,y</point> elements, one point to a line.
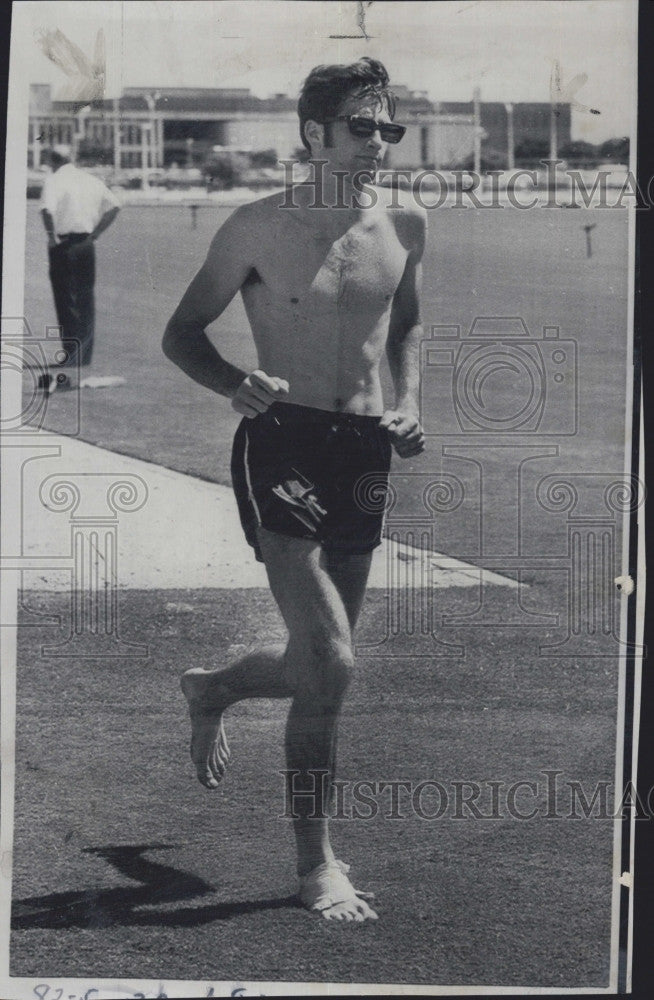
<point>358,268</point>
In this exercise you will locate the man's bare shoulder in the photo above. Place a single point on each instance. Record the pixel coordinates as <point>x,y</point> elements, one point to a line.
<point>262,209</point>
<point>254,218</point>
<point>409,219</point>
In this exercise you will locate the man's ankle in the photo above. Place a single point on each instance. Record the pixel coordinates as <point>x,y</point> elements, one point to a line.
<point>309,862</point>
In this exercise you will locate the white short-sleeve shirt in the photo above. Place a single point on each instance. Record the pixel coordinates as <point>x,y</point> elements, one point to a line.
<point>75,199</point>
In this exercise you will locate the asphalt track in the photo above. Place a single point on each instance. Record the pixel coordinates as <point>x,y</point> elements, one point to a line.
<point>125,867</point>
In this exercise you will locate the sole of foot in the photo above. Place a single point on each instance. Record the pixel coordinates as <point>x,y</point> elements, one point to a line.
<point>209,748</point>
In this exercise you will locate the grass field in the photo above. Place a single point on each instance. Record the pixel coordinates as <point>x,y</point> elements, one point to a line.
<point>125,867</point>
<point>478,263</point>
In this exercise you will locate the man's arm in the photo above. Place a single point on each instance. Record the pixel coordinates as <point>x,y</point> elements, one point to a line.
<point>185,342</point>
<point>105,221</point>
<point>48,223</point>
<point>48,206</point>
<point>403,350</point>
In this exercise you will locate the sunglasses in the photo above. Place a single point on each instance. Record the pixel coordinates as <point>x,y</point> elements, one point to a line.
<point>365,127</point>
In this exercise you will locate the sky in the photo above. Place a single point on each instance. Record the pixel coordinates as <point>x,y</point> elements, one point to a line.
<point>510,49</point>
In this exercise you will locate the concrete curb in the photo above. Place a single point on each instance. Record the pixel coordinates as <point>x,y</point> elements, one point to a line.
<point>176,532</point>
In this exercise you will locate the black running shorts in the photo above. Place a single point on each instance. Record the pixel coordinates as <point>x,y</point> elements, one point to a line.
<point>313,474</point>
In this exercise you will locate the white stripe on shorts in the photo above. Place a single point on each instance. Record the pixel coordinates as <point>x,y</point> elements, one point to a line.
<point>248,479</point>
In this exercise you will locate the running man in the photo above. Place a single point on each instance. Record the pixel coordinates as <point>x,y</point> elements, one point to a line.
<point>327,285</point>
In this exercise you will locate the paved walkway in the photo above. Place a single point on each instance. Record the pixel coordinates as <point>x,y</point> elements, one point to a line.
<point>182,533</point>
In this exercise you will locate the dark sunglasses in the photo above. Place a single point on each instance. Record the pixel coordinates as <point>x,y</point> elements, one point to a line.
<point>365,127</point>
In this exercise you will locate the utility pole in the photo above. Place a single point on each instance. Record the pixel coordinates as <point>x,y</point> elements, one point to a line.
<point>554,142</point>
<point>476,100</point>
<point>145,154</point>
<point>510,137</point>
<point>116,123</point>
<point>435,132</point>
<point>151,101</point>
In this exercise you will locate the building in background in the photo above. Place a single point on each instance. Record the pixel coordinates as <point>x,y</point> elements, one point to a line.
<point>531,125</point>
<point>149,127</point>
<point>433,139</point>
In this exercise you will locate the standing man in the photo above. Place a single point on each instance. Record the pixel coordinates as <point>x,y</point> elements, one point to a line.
<point>329,274</point>
<point>75,207</point>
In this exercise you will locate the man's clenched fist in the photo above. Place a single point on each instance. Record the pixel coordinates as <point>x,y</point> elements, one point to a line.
<point>256,393</point>
<point>405,432</point>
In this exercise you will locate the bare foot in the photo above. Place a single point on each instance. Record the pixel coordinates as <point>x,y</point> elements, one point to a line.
<point>209,749</point>
<point>328,890</point>
<point>353,909</point>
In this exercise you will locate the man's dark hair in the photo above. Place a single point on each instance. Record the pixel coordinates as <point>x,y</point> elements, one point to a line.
<point>327,87</point>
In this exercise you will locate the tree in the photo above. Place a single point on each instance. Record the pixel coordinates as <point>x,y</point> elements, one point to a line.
<point>491,159</point>
<point>302,154</point>
<point>616,149</point>
<point>579,152</point>
<point>531,149</point>
<point>263,158</point>
<point>225,170</point>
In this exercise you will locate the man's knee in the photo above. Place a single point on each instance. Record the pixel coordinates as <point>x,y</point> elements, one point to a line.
<point>331,668</point>
<point>341,663</point>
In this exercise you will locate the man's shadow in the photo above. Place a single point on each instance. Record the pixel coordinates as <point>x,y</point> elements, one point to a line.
<point>94,908</point>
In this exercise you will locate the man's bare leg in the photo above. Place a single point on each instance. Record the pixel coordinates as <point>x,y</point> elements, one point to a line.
<point>319,661</point>
<point>320,604</point>
<point>351,576</point>
<point>260,674</point>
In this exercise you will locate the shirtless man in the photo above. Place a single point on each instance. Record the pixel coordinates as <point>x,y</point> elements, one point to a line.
<point>326,290</point>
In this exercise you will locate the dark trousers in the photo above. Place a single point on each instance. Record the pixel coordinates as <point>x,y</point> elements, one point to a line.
<point>72,275</point>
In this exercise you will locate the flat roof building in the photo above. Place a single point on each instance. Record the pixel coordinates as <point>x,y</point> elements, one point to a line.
<point>158,126</point>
